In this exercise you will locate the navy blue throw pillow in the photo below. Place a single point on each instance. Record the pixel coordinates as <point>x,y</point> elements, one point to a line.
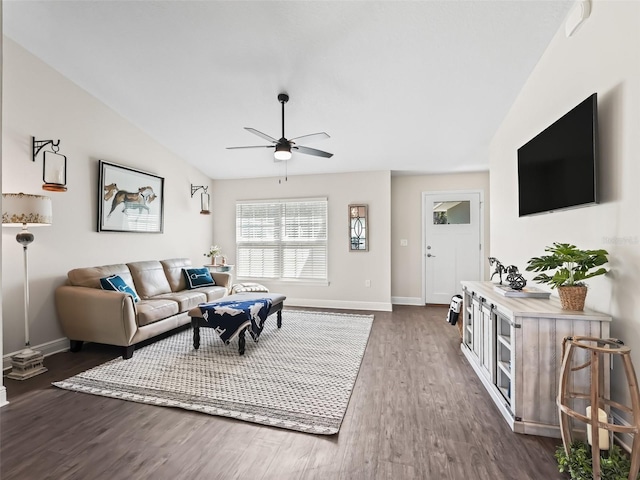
<point>198,277</point>
<point>117,284</point>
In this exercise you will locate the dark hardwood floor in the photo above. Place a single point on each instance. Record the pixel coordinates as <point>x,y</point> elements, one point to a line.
<point>417,412</point>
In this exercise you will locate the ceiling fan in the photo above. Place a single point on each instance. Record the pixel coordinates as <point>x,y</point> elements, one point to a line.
<point>284,146</point>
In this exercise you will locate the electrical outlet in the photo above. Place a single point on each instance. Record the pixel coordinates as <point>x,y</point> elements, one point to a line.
<point>403,242</point>
<point>367,283</point>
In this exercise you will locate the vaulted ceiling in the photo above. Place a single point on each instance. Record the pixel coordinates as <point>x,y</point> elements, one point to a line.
<point>406,86</point>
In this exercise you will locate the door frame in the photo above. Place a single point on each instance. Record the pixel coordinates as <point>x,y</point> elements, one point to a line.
<point>423,296</point>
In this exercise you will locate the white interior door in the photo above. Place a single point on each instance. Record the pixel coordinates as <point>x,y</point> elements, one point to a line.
<point>452,243</point>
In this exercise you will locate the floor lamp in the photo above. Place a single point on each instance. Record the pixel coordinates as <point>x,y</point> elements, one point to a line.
<point>23,210</point>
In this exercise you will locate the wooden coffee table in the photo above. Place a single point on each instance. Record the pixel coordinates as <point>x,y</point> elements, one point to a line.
<point>197,320</point>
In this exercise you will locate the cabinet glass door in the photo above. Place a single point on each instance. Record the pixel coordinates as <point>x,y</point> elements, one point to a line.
<point>467,320</point>
<point>504,357</point>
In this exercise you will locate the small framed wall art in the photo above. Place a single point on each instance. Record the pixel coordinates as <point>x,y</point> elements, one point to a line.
<point>129,200</point>
<point>358,228</point>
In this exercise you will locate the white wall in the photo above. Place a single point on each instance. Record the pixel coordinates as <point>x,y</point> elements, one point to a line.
<point>406,223</point>
<point>3,390</point>
<point>347,270</point>
<point>603,56</point>
<point>39,101</point>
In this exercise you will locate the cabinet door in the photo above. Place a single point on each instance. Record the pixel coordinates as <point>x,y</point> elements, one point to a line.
<point>476,315</point>
<point>505,358</point>
<point>467,320</point>
<point>487,332</point>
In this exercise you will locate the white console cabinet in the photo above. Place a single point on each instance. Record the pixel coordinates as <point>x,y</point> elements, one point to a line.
<point>515,347</point>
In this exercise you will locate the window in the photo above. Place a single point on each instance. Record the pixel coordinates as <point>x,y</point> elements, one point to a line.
<point>282,239</point>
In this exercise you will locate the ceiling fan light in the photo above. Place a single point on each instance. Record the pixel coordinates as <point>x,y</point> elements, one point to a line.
<point>283,152</point>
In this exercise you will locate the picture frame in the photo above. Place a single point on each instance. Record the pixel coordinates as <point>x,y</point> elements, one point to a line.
<point>129,200</point>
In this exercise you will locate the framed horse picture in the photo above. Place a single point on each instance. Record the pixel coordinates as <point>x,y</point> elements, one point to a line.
<point>129,200</point>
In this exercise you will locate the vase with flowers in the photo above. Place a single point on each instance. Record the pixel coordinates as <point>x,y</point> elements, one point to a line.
<point>213,252</point>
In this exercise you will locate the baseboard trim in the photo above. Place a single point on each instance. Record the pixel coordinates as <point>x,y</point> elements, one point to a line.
<point>417,301</point>
<point>342,304</point>
<point>3,396</point>
<point>49,348</point>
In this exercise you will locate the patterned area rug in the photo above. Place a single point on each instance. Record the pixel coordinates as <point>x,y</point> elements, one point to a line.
<point>299,377</point>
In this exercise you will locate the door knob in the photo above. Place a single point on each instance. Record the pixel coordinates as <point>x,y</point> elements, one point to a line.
<point>429,255</point>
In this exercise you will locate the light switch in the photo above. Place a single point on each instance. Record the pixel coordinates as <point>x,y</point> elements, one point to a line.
<point>403,242</point>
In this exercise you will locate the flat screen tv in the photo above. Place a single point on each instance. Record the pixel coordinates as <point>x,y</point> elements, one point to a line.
<point>557,169</point>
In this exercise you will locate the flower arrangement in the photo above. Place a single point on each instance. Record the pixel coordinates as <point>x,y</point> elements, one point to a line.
<point>213,252</point>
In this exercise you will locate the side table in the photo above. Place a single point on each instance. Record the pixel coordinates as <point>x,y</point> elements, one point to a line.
<point>222,268</point>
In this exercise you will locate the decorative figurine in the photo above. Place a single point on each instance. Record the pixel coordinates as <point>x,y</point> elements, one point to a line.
<point>499,268</point>
<point>516,281</point>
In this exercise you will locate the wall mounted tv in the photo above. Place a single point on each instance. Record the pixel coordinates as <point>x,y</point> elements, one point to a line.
<point>557,169</point>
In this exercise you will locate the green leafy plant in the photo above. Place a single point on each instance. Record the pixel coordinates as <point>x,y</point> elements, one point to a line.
<point>571,265</point>
<point>614,463</point>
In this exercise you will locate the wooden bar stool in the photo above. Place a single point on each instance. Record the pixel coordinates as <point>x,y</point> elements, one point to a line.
<point>597,354</point>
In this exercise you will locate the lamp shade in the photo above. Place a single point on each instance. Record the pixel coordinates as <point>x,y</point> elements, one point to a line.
<point>22,208</point>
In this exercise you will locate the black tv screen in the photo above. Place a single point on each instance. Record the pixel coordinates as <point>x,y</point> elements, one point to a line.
<point>557,168</point>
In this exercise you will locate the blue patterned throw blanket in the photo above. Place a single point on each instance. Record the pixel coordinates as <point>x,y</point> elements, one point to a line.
<point>229,318</point>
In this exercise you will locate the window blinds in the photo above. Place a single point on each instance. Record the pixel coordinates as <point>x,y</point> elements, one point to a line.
<point>282,239</point>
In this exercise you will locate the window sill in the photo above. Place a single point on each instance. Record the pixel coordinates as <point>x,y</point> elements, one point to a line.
<point>280,281</point>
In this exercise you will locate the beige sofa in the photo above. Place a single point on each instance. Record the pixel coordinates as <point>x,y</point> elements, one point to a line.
<point>87,313</point>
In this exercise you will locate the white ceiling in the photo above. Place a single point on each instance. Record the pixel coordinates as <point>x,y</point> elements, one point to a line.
<point>406,86</point>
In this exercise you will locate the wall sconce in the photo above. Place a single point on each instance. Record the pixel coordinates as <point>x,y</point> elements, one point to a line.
<point>204,198</point>
<point>54,165</point>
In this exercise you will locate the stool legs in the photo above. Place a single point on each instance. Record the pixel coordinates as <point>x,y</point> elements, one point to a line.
<point>599,354</point>
<point>565,430</point>
<point>595,404</point>
<point>635,406</point>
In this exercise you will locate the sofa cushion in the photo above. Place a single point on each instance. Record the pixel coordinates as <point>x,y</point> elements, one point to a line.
<point>173,271</point>
<point>186,299</point>
<point>149,278</point>
<point>150,311</point>
<point>90,276</point>
<point>198,277</point>
<point>213,293</point>
<point>117,284</point>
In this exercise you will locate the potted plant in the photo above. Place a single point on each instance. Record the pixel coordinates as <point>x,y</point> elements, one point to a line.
<point>614,464</point>
<point>572,265</point>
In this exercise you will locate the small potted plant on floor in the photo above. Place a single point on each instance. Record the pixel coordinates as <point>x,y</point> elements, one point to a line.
<point>571,267</point>
<point>578,463</point>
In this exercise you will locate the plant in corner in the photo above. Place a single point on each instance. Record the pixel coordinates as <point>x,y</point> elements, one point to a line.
<point>572,266</point>
<point>614,465</point>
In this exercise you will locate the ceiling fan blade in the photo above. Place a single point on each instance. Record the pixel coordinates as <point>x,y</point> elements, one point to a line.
<point>312,137</point>
<point>251,146</point>
<point>311,151</point>
<point>260,134</point>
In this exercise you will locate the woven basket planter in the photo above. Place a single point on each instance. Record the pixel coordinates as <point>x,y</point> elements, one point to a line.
<point>572,298</point>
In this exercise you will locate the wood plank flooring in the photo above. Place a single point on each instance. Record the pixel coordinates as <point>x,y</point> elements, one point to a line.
<point>417,412</point>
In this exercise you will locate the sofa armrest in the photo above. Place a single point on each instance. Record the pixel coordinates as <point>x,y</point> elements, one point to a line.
<point>222,279</point>
<point>94,315</point>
